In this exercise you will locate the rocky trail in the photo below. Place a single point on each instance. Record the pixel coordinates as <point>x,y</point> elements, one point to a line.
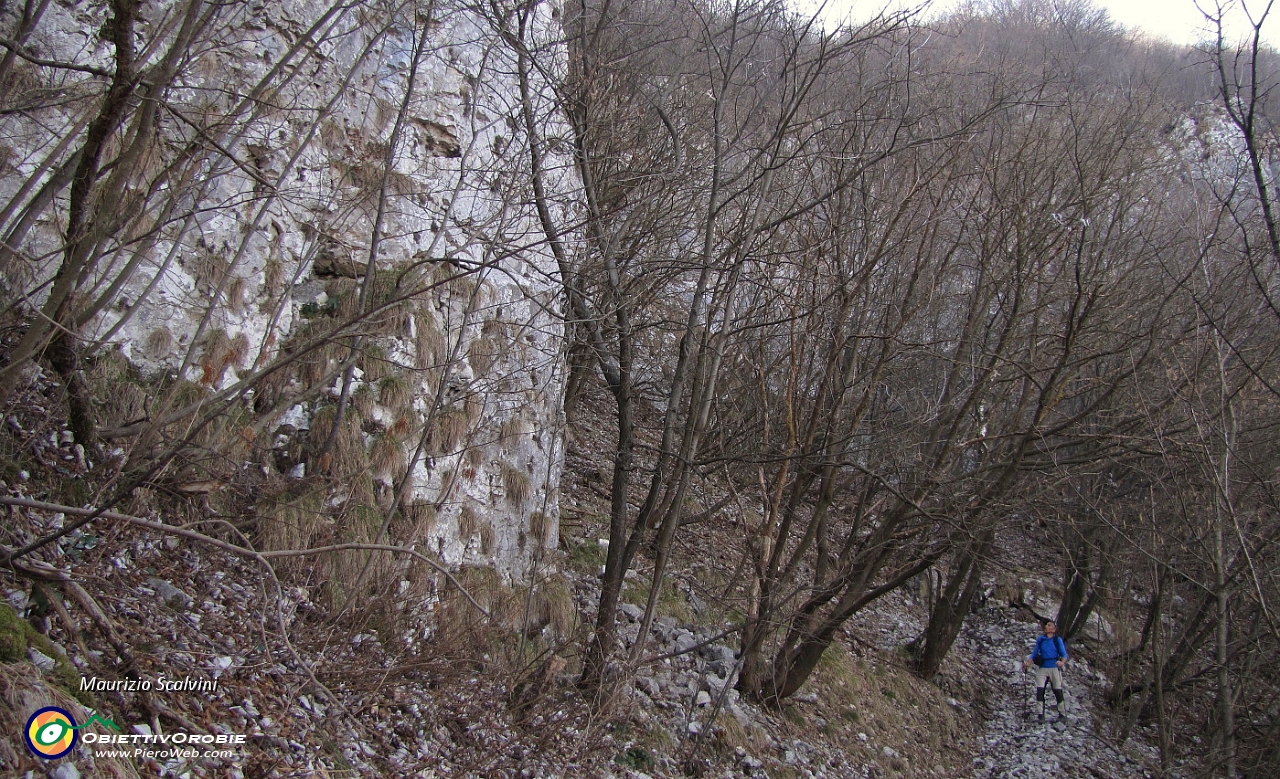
<point>1015,742</point>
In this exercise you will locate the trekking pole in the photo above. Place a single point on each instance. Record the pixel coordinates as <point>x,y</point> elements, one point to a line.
<point>1025,706</point>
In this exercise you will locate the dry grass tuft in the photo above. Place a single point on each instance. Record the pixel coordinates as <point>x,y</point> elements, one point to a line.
<point>450,281</point>
<point>395,393</point>
<point>273,276</point>
<point>360,522</point>
<point>361,488</point>
<point>218,353</point>
<point>237,294</point>
<point>555,599</point>
<point>421,520</point>
<point>540,527</point>
<point>316,365</point>
<point>448,430</point>
<point>874,695</point>
<point>387,457</point>
<point>120,395</point>
<point>516,485</point>
<point>376,571</point>
<point>473,406</point>
<point>429,342</point>
<point>344,297</point>
<point>363,400</point>
<point>488,539</point>
<point>292,521</point>
<point>442,273</point>
<point>468,522</point>
<point>401,427</point>
<point>459,621</point>
<point>374,363</point>
<point>517,614</point>
<point>482,354</point>
<point>159,343</point>
<point>183,393</point>
<point>730,736</point>
<point>513,429</point>
<point>208,269</point>
<point>347,456</point>
<point>496,329</point>
<point>226,441</point>
<point>384,289</point>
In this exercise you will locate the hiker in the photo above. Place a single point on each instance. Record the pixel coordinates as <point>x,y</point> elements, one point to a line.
<point>1049,657</point>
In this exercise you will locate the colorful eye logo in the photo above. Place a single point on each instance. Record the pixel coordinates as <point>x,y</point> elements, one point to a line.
<point>51,733</point>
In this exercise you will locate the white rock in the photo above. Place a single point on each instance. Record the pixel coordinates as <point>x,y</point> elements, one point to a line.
<point>685,641</point>
<point>17,599</point>
<point>41,660</point>
<point>65,771</point>
<point>296,416</point>
<point>171,595</point>
<point>632,611</point>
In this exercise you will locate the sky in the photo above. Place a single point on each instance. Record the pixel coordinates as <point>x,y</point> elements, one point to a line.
<point>1176,20</point>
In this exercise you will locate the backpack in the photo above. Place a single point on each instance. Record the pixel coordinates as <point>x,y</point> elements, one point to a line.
<point>1058,646</point>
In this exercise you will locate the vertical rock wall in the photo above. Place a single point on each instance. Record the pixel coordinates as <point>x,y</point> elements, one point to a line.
<point>339,190</point>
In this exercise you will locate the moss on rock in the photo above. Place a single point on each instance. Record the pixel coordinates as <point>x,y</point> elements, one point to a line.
<point>13,639</point>
<point>17,635</point>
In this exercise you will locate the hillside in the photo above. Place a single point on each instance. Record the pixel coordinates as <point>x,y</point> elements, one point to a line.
<point>446,692</point>
<point>660,388</point>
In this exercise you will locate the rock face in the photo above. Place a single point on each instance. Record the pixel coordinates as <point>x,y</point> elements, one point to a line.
<point>330,201</point>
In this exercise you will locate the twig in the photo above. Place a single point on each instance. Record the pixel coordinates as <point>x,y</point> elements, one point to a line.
<point>42,570</point>
<point>262,557</point>
<point>21,51</point>
<point>677,653</point>
<point>73,628</point>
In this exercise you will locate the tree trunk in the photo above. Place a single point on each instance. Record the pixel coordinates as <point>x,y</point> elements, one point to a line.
<point>964,581</point>
<point>1076,588</point>
<point>810,634</point>
<point>1226,698</point>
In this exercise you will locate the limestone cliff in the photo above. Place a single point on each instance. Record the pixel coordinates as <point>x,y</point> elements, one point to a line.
<point>317,214</point>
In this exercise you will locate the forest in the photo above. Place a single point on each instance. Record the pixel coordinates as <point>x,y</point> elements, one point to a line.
<point>502,332</point>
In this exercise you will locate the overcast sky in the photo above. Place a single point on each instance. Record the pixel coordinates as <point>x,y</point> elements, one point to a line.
<point>1177,20</point>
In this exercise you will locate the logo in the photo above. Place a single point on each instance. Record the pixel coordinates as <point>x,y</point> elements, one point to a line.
<point>51,733</point>
<point>104,721</point>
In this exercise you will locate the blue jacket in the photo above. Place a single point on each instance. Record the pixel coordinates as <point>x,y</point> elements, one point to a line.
<point>1050,651</point>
